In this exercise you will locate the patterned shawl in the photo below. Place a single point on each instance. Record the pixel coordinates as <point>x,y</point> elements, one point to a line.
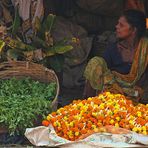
<point>139,65</point>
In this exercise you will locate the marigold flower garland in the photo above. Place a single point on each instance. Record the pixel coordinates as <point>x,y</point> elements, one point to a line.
<point>82,116</point>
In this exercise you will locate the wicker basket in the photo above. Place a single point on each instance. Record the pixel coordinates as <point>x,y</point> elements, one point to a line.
<point>20,69</point>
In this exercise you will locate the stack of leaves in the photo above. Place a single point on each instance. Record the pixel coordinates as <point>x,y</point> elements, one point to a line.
<point>85,116</point>
<point>22,102</point>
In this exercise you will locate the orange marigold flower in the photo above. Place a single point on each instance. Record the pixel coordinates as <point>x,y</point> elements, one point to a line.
<point>45,123</point>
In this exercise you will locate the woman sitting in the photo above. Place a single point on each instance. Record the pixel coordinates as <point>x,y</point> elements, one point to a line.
<point>124,62</point>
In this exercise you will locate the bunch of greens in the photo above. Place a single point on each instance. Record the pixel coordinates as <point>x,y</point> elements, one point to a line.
<point>24,102</point>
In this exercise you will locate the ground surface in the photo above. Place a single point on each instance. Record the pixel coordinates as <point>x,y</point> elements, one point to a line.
<point>67,95</point>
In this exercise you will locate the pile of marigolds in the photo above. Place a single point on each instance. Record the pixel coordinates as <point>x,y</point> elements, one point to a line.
<point>82,116</point>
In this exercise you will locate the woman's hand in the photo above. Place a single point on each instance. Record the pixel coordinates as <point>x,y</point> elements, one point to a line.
<point>114,88</point>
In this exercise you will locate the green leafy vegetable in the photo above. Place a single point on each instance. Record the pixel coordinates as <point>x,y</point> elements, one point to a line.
<point>24,102</point>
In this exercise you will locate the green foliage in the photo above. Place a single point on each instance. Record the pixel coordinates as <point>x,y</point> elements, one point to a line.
<point>15,54</point>
<point>2,44</point>
<point>18,44</point>
<point>55,62</point>
<point>41,38</point>
<point>23,101</point>
<point>16,22</point>
<point>47,25</point>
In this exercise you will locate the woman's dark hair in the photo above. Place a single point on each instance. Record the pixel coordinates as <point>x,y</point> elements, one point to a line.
<point>136,18</point>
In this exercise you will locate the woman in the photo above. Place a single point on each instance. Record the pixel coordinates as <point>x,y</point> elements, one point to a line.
<point>124,62</point>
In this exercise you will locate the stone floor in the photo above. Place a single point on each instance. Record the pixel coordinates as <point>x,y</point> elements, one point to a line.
<point>67,95</point>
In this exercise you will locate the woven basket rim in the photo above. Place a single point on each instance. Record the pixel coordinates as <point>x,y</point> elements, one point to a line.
<point>12,68</point>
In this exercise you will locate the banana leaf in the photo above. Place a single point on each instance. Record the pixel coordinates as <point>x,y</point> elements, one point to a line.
<point>58,49</point>
<point>2,44</point>
<point>15,54</point>
<point>55,62</point>
<point>12,43</point>
<point>37,25</point>
<point>38,42</point>
<point>16,22</point>
<point>48,39</point>
<point>46,26</point>
<point>48,23</point>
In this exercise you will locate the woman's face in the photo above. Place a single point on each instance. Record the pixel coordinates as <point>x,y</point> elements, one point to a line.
<point>123,28</point>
